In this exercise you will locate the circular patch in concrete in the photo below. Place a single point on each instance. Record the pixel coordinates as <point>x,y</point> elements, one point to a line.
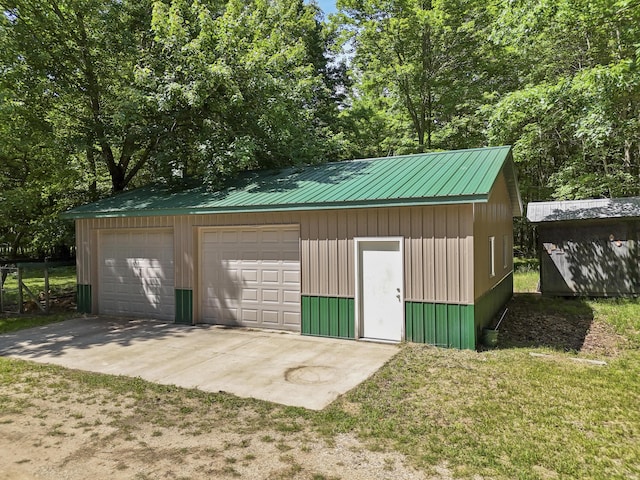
<point>310,375</point>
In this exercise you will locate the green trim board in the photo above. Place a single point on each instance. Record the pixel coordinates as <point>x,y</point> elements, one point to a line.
<point>440,324</point>
<point>83,300</point>
<point>487,306</point>
<point>184,306</point>
<point>436,178</point>
<point>328,316</point>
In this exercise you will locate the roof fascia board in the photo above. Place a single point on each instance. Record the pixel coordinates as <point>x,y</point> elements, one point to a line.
<point>508,169</point>
<point>276,208</point>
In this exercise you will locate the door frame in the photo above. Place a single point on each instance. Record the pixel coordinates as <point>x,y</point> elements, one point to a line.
<point>358,320</point>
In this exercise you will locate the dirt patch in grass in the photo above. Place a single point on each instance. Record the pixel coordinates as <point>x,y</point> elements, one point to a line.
<point>565,324</point>
<point>57,423</point>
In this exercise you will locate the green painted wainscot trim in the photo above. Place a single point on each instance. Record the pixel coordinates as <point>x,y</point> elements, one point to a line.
<point>184,306</point>
<point>491,303</point>
<point>439,324</point>
<point>83,301</point>
<point>328,316</point>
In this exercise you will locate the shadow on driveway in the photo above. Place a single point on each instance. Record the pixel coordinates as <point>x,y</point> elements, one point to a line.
<point>55,339</point>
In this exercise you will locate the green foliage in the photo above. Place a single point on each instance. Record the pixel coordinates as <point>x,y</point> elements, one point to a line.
<point>574,120</point>
<point>426,66</point>
<point>34,180</point>
<point>247,82</point>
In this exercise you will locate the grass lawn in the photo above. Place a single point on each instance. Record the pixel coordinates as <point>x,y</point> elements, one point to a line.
<point>500,414</point>
<point>504,413</point>
<point>13,323</point>
<point>526,276</point>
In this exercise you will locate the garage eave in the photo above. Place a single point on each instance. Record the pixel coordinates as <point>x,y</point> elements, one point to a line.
<point>74,215</point>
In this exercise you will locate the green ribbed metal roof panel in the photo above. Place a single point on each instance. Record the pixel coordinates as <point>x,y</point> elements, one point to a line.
<point>459,176</point>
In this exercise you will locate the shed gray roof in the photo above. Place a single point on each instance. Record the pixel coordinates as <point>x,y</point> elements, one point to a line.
<point>571,210</point>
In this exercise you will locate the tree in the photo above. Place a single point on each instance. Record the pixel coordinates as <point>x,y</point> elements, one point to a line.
<point>248,85</point>
<point>83,56</point>
<point>431,58</point>
<point>574,120</point>
<point>35,182</point>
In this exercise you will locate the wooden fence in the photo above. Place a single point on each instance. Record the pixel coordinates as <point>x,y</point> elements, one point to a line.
<point>12,300</point>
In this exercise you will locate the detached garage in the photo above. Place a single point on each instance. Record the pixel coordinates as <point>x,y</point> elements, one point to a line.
<point>415,248</point>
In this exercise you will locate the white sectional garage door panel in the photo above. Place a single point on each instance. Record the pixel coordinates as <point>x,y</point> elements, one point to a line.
<point>251,277</point>
<point>136,274</point>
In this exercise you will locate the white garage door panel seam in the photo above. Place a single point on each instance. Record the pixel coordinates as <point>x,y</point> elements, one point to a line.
<point>250,276</point>
<point>136,273</point>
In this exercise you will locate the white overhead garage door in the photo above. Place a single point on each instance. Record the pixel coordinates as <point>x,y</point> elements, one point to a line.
<point>136,276</point>
<point>250,276</point>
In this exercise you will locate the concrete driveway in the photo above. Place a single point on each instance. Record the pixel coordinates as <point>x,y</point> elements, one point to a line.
<point>285,368</point>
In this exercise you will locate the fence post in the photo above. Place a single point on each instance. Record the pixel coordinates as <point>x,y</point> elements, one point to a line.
<point>20,303</point>
<point>46,288</point>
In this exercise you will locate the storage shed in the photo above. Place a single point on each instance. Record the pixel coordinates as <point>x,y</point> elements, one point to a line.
<point>415,248</point>
<point>588,247</point>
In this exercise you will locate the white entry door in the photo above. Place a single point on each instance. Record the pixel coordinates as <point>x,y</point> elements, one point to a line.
<point>380,289</point>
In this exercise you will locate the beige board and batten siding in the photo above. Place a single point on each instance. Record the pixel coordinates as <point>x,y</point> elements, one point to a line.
<point>184,237</point>
<point>438,247</point>
<point>492,292</point>
<point>438,250</point>
<point>492,219</point>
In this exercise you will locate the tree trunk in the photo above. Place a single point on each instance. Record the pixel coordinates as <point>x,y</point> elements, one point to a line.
<point>420,140</point>
<point>91,162</point>
<point>118,179</point>
<point>15,245</point>
<point>429,120</point>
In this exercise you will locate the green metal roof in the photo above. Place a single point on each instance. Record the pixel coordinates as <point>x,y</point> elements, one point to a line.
<point>460,176</point>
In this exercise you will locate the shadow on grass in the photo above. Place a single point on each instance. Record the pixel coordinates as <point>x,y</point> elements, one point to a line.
<point>536,321</point>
